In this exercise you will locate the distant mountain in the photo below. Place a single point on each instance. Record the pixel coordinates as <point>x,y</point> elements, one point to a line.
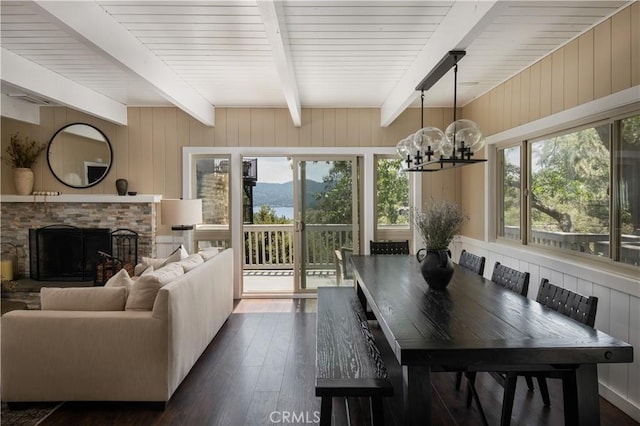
<point>281,194</point>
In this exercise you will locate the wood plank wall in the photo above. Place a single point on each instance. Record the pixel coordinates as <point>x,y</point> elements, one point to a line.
<point>602,61</point>
<point>148,151</point>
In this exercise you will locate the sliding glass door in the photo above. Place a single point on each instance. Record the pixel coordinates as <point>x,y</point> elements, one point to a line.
<point>326,217</point>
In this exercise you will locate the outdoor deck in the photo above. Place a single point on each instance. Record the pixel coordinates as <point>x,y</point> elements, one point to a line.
<point>257,281</point>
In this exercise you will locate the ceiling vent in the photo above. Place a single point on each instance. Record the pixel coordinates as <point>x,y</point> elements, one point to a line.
<point>29,98</point>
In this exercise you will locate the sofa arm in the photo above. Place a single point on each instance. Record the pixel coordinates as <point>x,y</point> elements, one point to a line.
<point>79,355</point>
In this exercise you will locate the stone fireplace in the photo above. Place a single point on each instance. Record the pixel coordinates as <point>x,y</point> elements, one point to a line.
<point>22,213</point>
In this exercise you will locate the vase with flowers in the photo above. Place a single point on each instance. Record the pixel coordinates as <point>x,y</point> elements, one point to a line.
<point>438,224</point>
<point>21,155</point>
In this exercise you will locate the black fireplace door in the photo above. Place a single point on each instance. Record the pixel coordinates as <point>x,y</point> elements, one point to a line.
<point>66,253</point>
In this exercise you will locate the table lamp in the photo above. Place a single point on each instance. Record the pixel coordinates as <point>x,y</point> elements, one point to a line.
<point>182,215</point>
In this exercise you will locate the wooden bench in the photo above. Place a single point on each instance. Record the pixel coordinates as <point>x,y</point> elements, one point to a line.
<point>348,363</point>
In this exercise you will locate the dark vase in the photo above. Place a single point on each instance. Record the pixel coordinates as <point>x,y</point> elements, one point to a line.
<point>436,267</point>
<point>121,186</point>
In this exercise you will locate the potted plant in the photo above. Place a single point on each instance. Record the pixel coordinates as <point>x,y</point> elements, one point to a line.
<point>21,155</point>
<point>438,224</point>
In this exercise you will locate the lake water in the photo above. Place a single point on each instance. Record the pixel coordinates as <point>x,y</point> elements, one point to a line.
<point>280,211</point>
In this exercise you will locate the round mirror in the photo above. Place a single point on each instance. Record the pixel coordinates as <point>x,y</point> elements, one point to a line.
<point>79,155</point>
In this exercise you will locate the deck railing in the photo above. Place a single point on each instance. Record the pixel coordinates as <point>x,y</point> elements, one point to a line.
<point>591,243</point>
<point>271,246</point>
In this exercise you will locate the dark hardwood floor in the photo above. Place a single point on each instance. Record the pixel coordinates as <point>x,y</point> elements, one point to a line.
<point>259,370</point>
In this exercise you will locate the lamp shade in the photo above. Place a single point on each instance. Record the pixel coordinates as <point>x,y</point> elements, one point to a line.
<point>181,212</point>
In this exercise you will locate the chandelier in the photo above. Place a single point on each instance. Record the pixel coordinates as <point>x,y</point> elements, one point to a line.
<point>430,149</point>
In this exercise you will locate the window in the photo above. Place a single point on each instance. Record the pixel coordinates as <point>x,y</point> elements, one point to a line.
<point>392,200</point>
<point>211,184</point>
<point>568,197</point>
<point>628,190</point>
<point>510,194</point>
<point>569,191</point>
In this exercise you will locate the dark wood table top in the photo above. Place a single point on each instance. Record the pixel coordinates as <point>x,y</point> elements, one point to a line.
<point>473,321</point>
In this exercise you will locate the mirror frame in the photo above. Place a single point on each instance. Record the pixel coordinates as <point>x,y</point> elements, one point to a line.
<point>97,181</point>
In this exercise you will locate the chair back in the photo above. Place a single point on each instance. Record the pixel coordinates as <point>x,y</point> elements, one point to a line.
<point>510,278</point>
<point>346,253</point>
<point>567,302</point>
<point>389,247</point>
<point>472,262</point>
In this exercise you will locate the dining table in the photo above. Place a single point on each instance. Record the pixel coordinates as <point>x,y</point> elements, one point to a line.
<point>477,325</point>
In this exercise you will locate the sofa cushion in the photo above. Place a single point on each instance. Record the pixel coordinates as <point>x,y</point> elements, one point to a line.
<point>120,279</point>
<point>188,263</point>
<point>145,289</point>
<point>177,255</point>
<point>210,252</point>
<point>83,298</point>
<point>158,262</point>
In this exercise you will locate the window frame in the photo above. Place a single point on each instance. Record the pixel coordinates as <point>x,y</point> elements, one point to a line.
<point>220,234</point>
<point>613,119</point>
<point>500,191</point>
<point>392,232</point>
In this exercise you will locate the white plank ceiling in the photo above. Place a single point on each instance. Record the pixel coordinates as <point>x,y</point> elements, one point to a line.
<point>283,53</point>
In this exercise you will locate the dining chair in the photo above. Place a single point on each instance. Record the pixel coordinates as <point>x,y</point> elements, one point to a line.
<point>511,279</point>
<point>343,265</point>
<point>517,282</point>
<point>475,264</point>
<point>472,262</point>
<point>389,247</point>
<point>576,306</point>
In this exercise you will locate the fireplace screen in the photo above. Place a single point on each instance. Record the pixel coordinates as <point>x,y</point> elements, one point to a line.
<point>124,254</point>
<point>66,253</point>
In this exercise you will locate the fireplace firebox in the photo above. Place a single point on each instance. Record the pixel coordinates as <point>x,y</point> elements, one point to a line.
<point>66,253</point>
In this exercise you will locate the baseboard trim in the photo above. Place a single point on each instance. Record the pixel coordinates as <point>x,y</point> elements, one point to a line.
<point>626,406</point>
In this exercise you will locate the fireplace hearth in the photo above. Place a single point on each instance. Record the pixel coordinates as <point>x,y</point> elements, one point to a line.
<point>66,253</point>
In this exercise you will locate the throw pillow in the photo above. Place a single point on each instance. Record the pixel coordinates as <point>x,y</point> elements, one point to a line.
<point>83,298</point>
<point>188,263</point>
<point>120,279</point>
<point>145,264</point>
<point>210,252</point>
<point>149,270</point>
<point>177,255</point>
<point>144,291</point>
<point>158,262</point>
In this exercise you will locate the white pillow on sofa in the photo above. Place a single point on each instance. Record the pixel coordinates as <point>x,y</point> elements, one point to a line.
<point>158,262</point>
<point>83,298</point>
<point>120,279</point>
<point>210,252</point>
<point>145,289</point>
<point>189,263</point>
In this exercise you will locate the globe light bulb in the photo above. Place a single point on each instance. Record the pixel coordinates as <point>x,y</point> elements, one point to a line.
<point>445,149</point>
<point>464,132</point>
<point>478,145</point>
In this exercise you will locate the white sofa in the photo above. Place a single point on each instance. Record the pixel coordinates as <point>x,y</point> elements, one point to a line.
<point>61,355</point>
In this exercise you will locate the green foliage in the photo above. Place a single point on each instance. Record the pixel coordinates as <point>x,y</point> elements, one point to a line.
<point>23,153</point>
<point>392,193</point>
<point>629,185</point>
<point>438,223</point>
<point>570,174</point>
<point>333,204</point>
<point>267,215</point>
<point>277,244</point>
<point>630,131</point>
<point>511,187</point>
